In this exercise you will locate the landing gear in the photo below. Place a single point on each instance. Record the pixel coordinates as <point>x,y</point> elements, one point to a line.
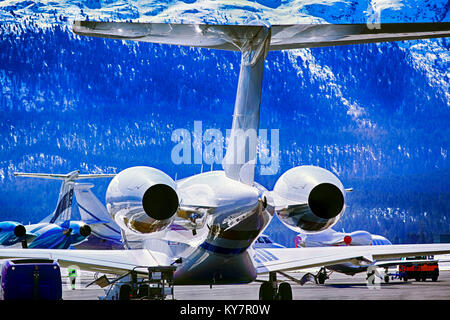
<point>386,274</point>
<point>322,276</point>
<point>285,291</point>
<point>270,290</point>
<point>266,291</point>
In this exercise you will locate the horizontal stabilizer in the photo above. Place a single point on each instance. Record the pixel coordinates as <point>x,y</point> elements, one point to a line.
<point>69,176</point>
<point>237,37</point>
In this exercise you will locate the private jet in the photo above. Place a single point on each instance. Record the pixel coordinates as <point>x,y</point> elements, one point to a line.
<point>205,224</point>
<point>57,230</point>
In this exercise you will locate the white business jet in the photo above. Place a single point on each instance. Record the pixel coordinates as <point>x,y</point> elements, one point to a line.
<point>206,224</point>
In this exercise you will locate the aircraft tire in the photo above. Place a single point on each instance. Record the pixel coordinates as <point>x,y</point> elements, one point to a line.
<point>321,278</point>
<point>125,291</point>
<point>266,291</point>
<point>285,291</point>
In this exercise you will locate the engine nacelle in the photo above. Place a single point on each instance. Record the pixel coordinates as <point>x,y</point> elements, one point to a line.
<point>79,231</point>
<point>11,232</point>
<point>142,199</point>
<point>309,199</point>
<point>359,238</point>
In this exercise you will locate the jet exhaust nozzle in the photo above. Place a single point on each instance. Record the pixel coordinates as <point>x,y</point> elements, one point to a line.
<point>326,200</point>
<point>309,199</point>
<point>142,200</point>
<point>20,231</point>
<point>160,202</point>
<point>85,230</point>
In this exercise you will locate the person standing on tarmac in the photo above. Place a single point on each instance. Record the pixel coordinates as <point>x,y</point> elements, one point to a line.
<point>72,274</point>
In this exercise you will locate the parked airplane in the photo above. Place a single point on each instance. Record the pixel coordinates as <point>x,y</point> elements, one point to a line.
<point>206,224</point>
<point>56,231</point>
<point>332,238</point>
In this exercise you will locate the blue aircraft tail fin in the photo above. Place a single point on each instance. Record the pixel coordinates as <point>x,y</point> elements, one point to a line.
<point>63,211</point>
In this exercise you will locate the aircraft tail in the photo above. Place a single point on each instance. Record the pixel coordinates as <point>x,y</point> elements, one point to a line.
<point>254,42</point>
<point>63,211</point>
<point>94,213</point>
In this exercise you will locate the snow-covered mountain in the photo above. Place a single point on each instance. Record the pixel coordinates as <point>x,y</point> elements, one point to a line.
<point>232,11</point>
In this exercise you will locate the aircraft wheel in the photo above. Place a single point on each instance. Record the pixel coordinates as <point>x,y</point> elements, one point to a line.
<point>285,291</point>
<point>266,291</point>
<point>321,278</point>
<point>143,290</point>
<point>386,278</point>
<point>125,291</point>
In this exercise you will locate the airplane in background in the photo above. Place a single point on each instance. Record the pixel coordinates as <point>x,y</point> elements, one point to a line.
<point>205,225</point>
<point>332,238</point>
<point>57,230</point>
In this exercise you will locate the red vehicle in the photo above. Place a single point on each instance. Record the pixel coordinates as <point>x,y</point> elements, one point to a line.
<point>419,270</point>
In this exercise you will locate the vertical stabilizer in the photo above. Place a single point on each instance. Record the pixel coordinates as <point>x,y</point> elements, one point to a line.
<point>240,158</point>
<point>94,213</point>
<point>63,211</point>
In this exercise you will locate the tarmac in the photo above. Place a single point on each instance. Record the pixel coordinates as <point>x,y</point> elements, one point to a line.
<point>338,287</point>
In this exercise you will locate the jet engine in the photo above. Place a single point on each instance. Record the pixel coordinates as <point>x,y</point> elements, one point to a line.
<point>78,231</point>
<point>142,200</point>
<point>10,232</point>
<point>309,199</point>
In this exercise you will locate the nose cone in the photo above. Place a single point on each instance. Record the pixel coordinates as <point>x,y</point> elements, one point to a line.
<point>160,202</point>
<point>326,200</point>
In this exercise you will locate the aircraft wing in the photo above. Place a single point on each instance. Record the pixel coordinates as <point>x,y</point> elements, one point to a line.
<point>107,261</point>
<point>286,259</point>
